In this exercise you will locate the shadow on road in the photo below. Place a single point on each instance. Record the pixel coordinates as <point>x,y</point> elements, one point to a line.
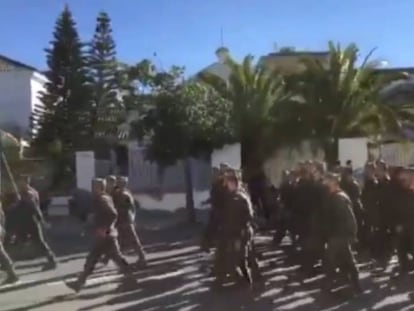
<point>177,278</point>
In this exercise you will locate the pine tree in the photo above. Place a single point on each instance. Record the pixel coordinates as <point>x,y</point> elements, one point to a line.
<point>103,72</point>
<point>63,115</point>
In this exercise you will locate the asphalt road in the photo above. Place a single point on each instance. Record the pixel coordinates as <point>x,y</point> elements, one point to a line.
<point>177,278</point>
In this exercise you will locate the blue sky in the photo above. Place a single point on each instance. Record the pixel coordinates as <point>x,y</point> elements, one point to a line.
<point>187,32</point>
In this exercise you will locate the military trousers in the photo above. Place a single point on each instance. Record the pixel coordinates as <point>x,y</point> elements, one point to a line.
<point>128,236</point>
<point>405,247</point>
<point>108,247</point>
<point>38,239</point>
<point>339,255</point>
<point>6,262</point>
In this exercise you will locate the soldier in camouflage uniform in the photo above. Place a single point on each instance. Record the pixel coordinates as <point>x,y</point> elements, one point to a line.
<point>125,206</point>
<point>5,260</point>
<point>106,236</point>
<point>111,185</point>
<point>31,221</point>
<point>236,233</point>
<point>386,197</point>
<point>369,198</point>
<point>217,195</point>
<point>352,188</point>
<point>341,232</point>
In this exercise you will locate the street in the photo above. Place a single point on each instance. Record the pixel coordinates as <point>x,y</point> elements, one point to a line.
<point>177,278</point>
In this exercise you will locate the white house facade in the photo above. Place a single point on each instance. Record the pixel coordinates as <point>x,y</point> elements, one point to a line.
<point>20,87</point>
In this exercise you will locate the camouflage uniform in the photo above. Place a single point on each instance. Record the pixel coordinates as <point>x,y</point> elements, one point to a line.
<point>30,223</point>
<point>217,196</point>
<point>125,206</point>
<point>106,240</point>
<point>236,234</point>
<point>351,187</point>
<point>342,233</point>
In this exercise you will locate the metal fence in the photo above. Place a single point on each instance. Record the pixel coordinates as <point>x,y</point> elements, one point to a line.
<point>146,176</point>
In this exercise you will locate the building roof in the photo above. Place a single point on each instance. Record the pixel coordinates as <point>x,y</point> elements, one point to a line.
<point>298,53</point>
<point>386,70</point>
<point>16,63</point>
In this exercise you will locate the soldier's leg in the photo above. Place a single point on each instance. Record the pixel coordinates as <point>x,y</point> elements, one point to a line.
<point>7,265</point>
<point>403,249</point>
<point>113,251</point>
<point>253,263</point>
<point>220,263</point>
<point>133,236</point>
<point>98,249</point>
<point>348,265</point>
<point>39,240</point>
<point>244,266</point>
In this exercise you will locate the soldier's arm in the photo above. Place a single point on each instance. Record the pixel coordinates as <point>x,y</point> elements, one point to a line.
<point>36,210</point>
<point>345,209</point>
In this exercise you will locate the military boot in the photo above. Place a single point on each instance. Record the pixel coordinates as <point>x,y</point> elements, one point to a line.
<point>77,285</point>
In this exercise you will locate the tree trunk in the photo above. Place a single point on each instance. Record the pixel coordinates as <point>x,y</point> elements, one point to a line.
<point>331,151</point>
<point>189,195</point>
<point>251,162</point>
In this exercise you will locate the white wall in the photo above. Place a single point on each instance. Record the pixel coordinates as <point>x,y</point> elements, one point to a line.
<point>354,149</point>
<point>85,169</point>
<point>15,98</point>
<point>19,92</point>
<point>229,154</point>
<point>286,158</point>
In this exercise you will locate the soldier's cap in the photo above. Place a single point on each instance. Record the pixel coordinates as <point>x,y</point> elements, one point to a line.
<point>320,166</point>
<point>332,177</point>
<point>99,181</point>
<point>381,163</point>
<point>25,177</point>
<point>122,179</point>
<point>225,166</point>
<point>285,172</point>
<point>232,178</point>
<point>111,178</point>
<point>370,165</point>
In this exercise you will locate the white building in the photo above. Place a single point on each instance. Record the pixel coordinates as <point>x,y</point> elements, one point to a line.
<point>20,87</point>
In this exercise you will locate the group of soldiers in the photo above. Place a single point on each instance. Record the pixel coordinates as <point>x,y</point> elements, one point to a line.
<point>230,229</point>
<point>27,223</point>
<point>328,215</point>
<point>113,211</point>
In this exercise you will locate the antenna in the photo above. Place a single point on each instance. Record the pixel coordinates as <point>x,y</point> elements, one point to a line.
<point>155,55</point>
<point>221,37</point>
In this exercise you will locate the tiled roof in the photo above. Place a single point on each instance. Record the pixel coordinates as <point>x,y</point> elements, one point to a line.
<point>16,63</point>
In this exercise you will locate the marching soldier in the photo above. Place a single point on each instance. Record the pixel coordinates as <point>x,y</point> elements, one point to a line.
<point>5,260</point>
<point>111,186</point>
<point>351,187</point>
<point>30,221</point>
<point>386,196</point>
<point>342,233</point>
<point>105,232</point>
<point>217,195</point>
<point>125,206</point>
<point>287,188</point>
<point>370,196</point>
<point>235,232</point>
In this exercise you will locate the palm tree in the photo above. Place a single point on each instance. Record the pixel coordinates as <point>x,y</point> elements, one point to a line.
<point>342,99</point>
<point>256,96</point>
